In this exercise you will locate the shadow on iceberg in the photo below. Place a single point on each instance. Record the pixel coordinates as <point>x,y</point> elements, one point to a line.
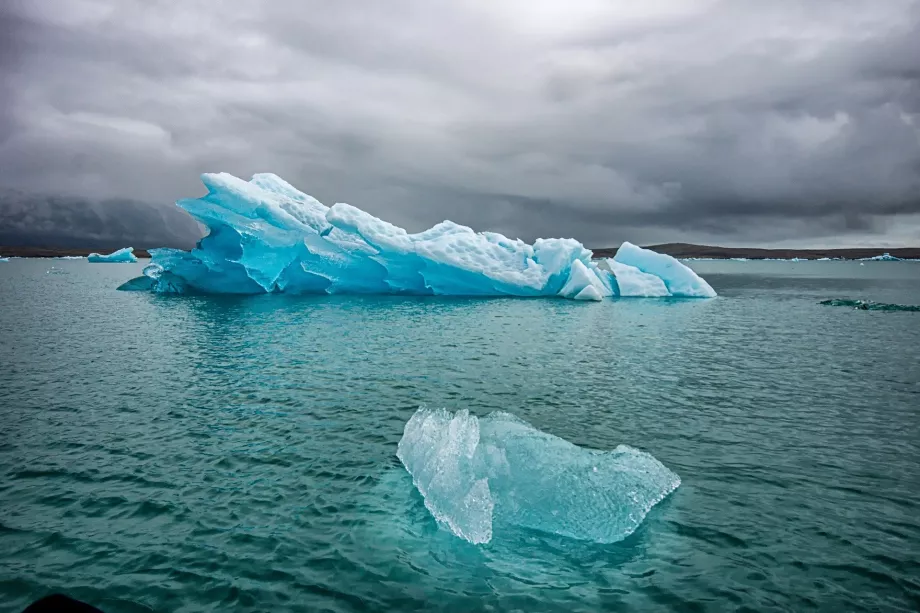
<point>479,474</point>
<point>268,237</point>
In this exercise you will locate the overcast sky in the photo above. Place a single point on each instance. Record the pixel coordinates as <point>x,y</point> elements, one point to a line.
<point>729,122</point>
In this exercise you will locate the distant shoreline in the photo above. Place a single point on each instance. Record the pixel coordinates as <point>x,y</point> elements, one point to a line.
<point>685,250</point>
<point>57,252</point>
<point>678,250</point>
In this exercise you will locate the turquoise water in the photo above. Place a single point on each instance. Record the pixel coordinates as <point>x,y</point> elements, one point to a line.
<point>238,454</point>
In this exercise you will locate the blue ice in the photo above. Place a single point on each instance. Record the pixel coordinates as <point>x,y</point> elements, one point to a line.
<point>266,236</point>
<point>477,475</point>
<point>122,256</point>
<point>885,257</point>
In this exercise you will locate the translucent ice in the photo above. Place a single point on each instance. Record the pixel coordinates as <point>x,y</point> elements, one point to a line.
<point>4,259</point>
<point>477,475</point>
<point>122,256</point>
<point>266,236</point>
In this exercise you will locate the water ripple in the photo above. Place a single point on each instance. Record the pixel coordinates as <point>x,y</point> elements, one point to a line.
<point>234,453</point>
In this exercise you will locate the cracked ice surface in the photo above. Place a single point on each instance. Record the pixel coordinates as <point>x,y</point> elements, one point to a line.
<point>478,474</point>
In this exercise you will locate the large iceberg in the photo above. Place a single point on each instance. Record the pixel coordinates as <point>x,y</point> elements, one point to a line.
<point>477,474</point>
<point>266,236</point>
<point>122,256</point>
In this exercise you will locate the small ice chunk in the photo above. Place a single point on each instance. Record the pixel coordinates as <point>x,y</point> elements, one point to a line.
<point>476,475</point>
<point>122,256</point>
<point>440,448</point>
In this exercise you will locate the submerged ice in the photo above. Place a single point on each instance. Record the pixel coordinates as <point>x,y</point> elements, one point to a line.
<point>122,256</point>
<point>266,236</point>
<point>868,305</point>
<point>476,474</point>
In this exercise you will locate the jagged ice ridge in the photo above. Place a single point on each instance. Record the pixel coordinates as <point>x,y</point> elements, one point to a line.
<point>266,236</point>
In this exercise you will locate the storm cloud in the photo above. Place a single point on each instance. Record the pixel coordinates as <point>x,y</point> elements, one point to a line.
<point>711,121</point>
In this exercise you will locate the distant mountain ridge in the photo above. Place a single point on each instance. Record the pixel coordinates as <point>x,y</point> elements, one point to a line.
<point>687,250</point>
<point>69,223</point>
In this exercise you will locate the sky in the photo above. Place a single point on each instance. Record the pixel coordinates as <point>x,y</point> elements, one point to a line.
<point>732,122</point>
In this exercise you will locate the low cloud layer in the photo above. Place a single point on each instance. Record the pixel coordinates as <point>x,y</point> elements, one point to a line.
<point>668,120</point>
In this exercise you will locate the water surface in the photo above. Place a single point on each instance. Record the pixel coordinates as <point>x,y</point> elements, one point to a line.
<point>238,453</point>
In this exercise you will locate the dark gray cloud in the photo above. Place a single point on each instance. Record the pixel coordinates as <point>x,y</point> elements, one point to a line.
<point>39,220</point>
<point>667,120</point>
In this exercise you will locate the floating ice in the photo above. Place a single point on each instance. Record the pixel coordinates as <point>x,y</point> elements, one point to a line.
<point>69,257</point>
<point>4,259</point>
<point>122,256</point>
<point>868,305</point>
<point>266,236</point>
<point>678,278</point>
<point>885,257</point>
<point>478,474</point>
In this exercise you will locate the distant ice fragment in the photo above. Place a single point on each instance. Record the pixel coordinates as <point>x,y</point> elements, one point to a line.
<point>678,278</point>
<point>122,256</point>
<point>885,257</point>
<point>477,474</point>
<point>4,259</point>
<point>868,305</point>
<point>268,237</point>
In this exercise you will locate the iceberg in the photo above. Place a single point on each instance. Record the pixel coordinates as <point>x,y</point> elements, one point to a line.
<point>478,475</point>
<point>679,279</point>
<point>885,257</point>
<point>265,236</point>
<point>4,259</point>
<point>122,256</point>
